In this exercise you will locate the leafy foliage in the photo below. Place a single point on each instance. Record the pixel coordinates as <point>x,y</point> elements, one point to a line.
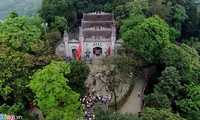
<point>77,76</point>
<point>196,45</point>
<point>138,7</point>
<point>60,23</point>
<point>53,95</point>
<point>163,114</point>
<point>15,69</point>
<point>161,8</point>
<point>179,15</point>
<point>118,70</point>
<point>102,114</point>
<point>52,8</point>
<point>148,38</point>
<point>183,60</point>
<point>158,101</point>
<point>190,105</point>
<point>119,8</point>
<point>169,83</point>
<point>85,6</point>
<point>131,22</point>
<point>19,34</point>
<point>13,14</point>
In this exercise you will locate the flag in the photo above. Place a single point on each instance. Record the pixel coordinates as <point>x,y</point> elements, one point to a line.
<point>78,54</point>
<point>109,51</point>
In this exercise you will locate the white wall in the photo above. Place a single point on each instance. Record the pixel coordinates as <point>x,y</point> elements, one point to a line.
<point>90,45</point>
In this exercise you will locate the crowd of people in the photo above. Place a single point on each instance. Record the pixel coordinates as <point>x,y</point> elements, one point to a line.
<point>89,101</point>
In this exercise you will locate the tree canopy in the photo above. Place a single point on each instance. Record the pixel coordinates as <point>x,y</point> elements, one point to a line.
<point>181,58</point>
<point>163,114</point>
<point>63,8</point>
<point>77,76</point>
<point>190,105</point>
<point>102,114</point>
<point>158,101</point>
<point>169,83</point>
<point>53,95</point>
<point>148,38</point>
<point>19,34</point>
<point>16,67</point>
<point>164,33</point>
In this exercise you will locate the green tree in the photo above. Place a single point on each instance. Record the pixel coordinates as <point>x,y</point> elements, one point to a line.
<point>16,67</point>
<point>163,114</point>
<point>169,83</point>
<point>15,70</point>
<point>131,22</point>
<point>44,50</point>
<point>190,105</point>
<point>117,71</point>
<point>77,76</point>
<point>102,114</point>
<point>121,12</point>
<point>190,25</point>
<point>63,8</point>
<point>196,45</point>
<point>160,8</point>
<point>19,34</point>
<point>60,23</point>
<point>158,101</point>
<point>16,109</point>
<point>181,58</point>
<point>119,8</point>
<point>13,14</point>
<point>85,6</point>
<point>37,21</point>
<point>53,38</point>
<point>179,15</point>
<point>138,7</point>
<point>52,94</point>
<point>148,38</point>
<point>191,51</point>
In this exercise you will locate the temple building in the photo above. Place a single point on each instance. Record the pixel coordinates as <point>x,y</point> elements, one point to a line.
<point>96,37</point>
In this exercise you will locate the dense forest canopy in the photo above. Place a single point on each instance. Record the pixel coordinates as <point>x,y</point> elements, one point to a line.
<point>22,7</point>
<point>161,33</point>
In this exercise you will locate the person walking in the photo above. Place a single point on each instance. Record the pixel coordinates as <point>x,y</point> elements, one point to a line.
<point>139,94</point>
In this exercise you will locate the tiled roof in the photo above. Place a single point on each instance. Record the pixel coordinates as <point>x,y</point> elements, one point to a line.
<point>103,33</point>
<point>106,24</point>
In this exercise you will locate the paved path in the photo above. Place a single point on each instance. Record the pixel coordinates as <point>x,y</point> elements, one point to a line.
<point>35,111</point>
<point>134,102</point>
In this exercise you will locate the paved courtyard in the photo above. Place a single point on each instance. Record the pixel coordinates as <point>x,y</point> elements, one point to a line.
<point>101,85</point>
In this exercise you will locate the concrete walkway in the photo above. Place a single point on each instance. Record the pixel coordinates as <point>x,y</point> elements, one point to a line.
<point>134,102</point>
<point>35,111</point>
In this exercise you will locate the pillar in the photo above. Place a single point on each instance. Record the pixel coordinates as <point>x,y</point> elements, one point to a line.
<point>66,43</point>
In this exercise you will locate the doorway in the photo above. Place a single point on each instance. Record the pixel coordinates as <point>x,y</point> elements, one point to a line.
<point>97,51</point>
<point>74,51</point>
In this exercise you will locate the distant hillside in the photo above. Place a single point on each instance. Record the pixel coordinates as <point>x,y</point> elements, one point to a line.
<point>22,7</point>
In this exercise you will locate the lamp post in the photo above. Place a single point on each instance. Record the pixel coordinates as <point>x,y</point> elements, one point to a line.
<point>44,25</point>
